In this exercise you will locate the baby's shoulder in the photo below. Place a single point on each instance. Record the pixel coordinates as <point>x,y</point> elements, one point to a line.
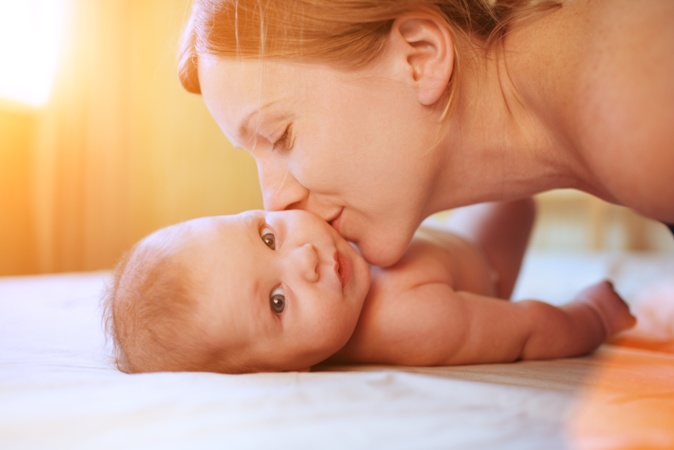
<point>435,256</point>
<point>430,258</point>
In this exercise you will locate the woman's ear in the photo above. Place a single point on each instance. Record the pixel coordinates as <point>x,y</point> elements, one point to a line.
<point>427,48</point>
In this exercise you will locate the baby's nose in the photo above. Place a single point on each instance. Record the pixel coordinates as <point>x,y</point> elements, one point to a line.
<point>306,262</point>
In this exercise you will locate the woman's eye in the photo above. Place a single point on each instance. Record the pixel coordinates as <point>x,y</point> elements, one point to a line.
<point>277,300</point>
<point>268,238</point>
<point>285,141</point>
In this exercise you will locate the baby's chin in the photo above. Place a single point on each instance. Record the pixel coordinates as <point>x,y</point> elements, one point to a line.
<point>304,364</point>
<point>289,368</point>
<point>321,356</point>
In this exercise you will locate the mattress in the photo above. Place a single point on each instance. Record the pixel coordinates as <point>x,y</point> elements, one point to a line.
<point>60,389</point>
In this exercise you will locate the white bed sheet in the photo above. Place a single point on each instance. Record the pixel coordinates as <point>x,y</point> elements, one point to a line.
<point>59,389</point>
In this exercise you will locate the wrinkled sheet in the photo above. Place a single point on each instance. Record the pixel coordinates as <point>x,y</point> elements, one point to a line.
<point>59,388</point>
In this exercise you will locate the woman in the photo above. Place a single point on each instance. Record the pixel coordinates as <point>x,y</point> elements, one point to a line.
<point>375,115</point>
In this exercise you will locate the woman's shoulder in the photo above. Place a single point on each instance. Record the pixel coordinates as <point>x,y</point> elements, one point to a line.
<point>610,63</point>
<point>601,71</point>
<point>627,66</point>
<point>625,121</point>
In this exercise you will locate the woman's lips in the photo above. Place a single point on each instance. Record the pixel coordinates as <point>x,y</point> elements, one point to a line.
<point>342,268</point>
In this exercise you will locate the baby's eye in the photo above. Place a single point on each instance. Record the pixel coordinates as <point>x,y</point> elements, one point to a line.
<point>277,300</point>
<point>268,237</point>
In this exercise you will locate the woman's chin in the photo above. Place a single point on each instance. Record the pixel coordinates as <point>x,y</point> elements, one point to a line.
<point>382,254</point>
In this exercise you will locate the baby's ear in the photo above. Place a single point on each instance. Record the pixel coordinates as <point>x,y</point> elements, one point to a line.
<point>426,48</point>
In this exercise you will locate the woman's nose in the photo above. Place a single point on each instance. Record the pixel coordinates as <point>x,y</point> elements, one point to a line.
<point>305,261</point>
<point>280,189</point>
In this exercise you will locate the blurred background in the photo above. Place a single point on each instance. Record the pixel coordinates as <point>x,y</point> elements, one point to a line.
<point>99,144</point>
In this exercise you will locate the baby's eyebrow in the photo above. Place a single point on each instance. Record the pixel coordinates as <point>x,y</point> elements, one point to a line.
<point>256,289</point>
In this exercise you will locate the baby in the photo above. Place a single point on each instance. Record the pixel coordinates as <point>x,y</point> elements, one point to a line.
<point>283,291</point>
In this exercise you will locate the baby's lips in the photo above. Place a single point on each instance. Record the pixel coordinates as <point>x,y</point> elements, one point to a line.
<point>342,268</point>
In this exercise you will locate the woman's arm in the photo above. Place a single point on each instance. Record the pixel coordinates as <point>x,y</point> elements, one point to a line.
<point>501,231</point>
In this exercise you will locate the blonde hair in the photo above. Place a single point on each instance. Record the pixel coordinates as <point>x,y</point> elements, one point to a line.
<point>346,34</point>
<point>151,314</point>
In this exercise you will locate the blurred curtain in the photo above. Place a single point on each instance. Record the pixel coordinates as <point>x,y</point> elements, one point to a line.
<point>81,162</point>
<point>121,149</point>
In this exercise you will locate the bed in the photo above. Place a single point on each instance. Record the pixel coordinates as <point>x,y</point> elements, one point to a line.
<point>59,388</point>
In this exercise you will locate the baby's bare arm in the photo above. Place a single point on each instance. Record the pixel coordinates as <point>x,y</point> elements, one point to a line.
<point>433,325</point>
<point>595,315</point>
<point>500,332</point>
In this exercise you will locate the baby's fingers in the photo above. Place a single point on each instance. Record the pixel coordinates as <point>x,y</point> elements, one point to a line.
<point>612,309</point>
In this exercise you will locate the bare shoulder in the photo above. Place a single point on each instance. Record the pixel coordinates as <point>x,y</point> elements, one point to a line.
<point>440,256</point>
<point>414,312</point>
<point>625,101</point>
<point>418,326</point>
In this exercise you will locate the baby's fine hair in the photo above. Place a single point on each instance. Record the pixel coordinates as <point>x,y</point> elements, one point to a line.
<point>346,34</point>
<point>150,309</point>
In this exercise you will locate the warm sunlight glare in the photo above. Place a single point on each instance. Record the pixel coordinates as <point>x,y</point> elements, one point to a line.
<point>30,40</point>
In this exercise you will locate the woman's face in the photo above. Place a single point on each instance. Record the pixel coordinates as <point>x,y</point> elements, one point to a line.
<point>356,148</point>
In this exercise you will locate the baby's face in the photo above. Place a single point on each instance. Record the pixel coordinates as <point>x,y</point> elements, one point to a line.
<point>283,287</point>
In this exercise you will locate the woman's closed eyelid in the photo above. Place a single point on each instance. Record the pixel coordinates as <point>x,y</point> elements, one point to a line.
<point>285,141</point>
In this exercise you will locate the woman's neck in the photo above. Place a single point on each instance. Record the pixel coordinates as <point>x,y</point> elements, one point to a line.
<point>502,140</point>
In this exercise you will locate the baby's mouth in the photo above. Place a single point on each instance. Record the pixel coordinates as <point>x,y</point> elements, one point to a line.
<point>342,268</point>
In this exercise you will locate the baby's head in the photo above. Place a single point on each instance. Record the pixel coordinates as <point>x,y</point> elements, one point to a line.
<point>257,291</point>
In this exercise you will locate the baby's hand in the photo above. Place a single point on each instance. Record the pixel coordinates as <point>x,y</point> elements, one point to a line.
<point>610,307</point>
